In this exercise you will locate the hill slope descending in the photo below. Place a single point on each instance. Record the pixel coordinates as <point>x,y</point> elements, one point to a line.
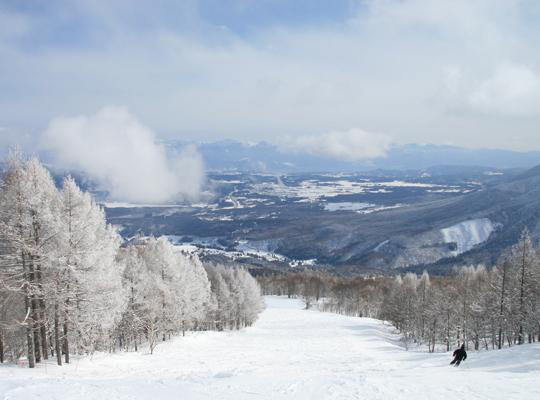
<point>289,353</point>
<point>355,222</point>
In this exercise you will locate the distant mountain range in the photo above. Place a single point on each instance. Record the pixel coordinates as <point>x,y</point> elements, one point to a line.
<point>432,230</point>
<point>355,222</point>
<point>232,155</point>
<point>266,157</point>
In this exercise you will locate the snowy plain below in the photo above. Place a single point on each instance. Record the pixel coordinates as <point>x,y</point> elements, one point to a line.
<point>290,353</point>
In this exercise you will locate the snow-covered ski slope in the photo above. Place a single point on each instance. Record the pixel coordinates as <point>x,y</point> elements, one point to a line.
<point>290,353</point>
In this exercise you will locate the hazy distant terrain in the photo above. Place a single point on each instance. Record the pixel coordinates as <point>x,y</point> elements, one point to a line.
<point>355,221</point>
<point>270,158</point>
<point>374,219</point>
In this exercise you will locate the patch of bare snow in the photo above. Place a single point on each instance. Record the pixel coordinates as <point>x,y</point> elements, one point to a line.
<point>468,234</point>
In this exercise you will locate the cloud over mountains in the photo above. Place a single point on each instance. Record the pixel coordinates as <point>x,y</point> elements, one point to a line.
<point>350,145</point>
<point>115,149</point>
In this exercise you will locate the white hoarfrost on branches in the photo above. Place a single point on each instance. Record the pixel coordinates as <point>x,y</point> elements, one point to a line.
<point>92,287</point>
<point>69,286</point>
<point>236,297</point>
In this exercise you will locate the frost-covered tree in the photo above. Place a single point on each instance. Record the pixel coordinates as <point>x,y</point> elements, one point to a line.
<point>237,295</point>
<point>67,287</point>
<point>28,225</point>
<point>193,292</point>
<point>57,259</point>
<point>501,288</point>
<point>88,293</point>
<point>222,306</point>
<point>525,263</point>
<point>251,304</point>
<point>131,326</point>
<point>168,292</point>
<point>423,291</point>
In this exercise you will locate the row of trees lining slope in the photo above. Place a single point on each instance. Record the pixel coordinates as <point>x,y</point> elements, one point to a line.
<point>481,307</point>
<point>68,283</point>
<point>485,307</point>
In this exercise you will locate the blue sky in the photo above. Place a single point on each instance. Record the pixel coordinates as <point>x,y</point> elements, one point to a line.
<point>463,72</point>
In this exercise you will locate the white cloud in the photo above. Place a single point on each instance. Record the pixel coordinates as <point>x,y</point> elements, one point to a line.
<point>452,77</point>
<point>351,145</point>
<point>123,156</point>
<point>512,89</point>
<point>380,69</point>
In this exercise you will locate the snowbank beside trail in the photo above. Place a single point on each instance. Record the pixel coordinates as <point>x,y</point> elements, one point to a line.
<point>468,234</point>
<point>290,353</point>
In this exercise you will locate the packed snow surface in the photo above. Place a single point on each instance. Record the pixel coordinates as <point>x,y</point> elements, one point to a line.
<point>468,234</point>
<point>290,353</point>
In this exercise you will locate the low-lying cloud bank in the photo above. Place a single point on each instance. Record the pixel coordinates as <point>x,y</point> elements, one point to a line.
<point>116,150</point>
<point>351,145</point>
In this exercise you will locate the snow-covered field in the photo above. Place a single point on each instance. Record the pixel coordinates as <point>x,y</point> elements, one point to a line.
<point>290,353</point>
<point>260,249</point>
<point>313,190</point>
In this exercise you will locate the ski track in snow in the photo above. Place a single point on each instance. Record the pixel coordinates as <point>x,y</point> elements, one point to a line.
<point>289,353</point>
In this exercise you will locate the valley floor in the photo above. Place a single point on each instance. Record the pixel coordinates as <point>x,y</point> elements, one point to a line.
<point>290,353</point>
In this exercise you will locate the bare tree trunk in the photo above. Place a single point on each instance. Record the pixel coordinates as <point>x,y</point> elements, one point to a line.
<point>34,314</point>
<point>448,331</point>
<point>38,302</point>
<point>521,296</point>
<point>43,332</point>
<point>29,336</point>
<point>1,346</point>
<point>152,336</point>
<point>51,342</point>
<point>58,349</point>
<point>42,315</point>
<point>66,342</point>
<point>37,345</point>
<point>27,308</point>
<point>501,309</point>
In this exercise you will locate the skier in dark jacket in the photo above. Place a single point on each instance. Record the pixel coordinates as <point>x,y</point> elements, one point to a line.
<point>459,355</point>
